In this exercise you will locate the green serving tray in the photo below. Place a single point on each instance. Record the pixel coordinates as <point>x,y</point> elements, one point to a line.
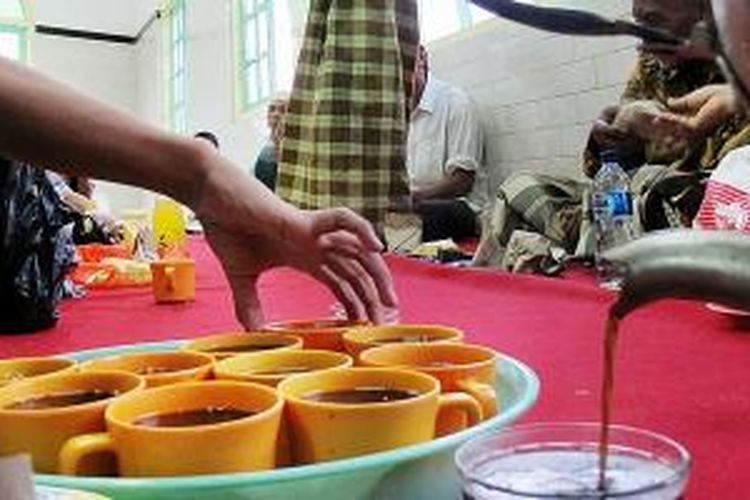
<point>423,471</point>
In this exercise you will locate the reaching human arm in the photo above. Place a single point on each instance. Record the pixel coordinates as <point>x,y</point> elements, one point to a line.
<point>701,112</point>
<point>605,135</point>
<point>249,228</point>
<point>454,185</point>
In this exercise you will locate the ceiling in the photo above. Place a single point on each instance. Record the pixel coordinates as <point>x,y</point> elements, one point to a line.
<point>119,17</point>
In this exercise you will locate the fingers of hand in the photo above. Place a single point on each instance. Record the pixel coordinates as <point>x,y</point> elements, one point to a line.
<point>360,282</point>
<point>693,102</point>
<point>345,245</point>
<point>247,306</point>
<point>378,270</point>
<point>670,124</point>
<point>609,114</point>
<point>341,242</point>
<point>338,219</point>
<point>606,135</point>
<point>343,292</point>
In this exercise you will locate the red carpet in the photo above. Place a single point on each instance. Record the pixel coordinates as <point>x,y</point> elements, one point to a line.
<point>683,370</point>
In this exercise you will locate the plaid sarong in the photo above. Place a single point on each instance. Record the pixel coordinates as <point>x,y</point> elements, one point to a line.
<point>346,125</point>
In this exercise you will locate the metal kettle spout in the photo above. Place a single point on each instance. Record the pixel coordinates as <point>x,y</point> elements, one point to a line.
<point>712,266</point>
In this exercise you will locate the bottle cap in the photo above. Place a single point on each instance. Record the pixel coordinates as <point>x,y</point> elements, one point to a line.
<point>609,156</point>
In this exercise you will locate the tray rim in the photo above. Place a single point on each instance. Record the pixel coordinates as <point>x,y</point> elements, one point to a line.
<point>382,459</point>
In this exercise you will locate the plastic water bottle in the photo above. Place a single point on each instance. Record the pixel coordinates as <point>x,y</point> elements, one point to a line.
<point>614,220</point>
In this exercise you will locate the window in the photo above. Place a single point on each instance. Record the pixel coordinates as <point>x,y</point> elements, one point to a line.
<point>257,79</point>
<point>14,29</point>
<point>177,68</point>
<point>440,19</point>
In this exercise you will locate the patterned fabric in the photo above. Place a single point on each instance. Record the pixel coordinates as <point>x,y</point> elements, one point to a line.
<point>550,206</point>
<point>727,201</point>
<point>345,129</point>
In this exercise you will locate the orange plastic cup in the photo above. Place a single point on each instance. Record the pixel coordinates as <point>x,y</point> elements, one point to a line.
<point>16,369</point>
<point>173,280</point>
<point>326,334</point>
<point>225,345</point>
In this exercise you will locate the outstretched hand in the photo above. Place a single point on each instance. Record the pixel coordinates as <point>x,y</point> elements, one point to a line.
<point>701,112</point>
<point>337,247</point>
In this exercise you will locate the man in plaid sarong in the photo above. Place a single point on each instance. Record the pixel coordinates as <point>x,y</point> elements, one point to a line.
<point>345,129</point>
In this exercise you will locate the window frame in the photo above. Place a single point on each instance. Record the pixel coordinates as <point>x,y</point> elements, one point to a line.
<point>21,28</point>
<point>464,17</point>
<point>255,75</point>
<point>176,77</point>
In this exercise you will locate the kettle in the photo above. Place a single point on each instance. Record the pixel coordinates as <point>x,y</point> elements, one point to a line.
<point>712,266</point>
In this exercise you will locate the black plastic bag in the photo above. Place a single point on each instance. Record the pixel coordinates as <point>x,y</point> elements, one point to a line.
<point>31,268</point>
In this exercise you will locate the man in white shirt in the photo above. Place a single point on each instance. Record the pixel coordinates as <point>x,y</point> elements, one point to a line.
<point>447,178</point>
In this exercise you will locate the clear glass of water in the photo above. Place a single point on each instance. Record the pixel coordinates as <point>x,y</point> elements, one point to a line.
<point>561,461</point>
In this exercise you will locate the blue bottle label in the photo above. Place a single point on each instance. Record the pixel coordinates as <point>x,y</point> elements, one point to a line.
<point>613,204</point>
<point>620,203</point>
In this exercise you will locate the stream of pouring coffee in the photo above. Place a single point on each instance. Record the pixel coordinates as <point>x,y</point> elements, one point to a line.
<point>608,382</point>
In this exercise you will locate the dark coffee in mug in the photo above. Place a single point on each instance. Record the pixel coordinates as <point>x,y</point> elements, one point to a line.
<point>61,399</point>
<point>154,370</point>
<point>246,348</point>
<point>283,370</point>
<point>360,395</point>
<point>192,418</point>
<point>406,338</point>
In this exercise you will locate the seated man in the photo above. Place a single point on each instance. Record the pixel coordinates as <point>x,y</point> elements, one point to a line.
<point>266,165</point>
<point>447,178</point>
<point>667,174</point>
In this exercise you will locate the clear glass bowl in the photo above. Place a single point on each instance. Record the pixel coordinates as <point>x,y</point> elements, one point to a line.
<point>561,461</point>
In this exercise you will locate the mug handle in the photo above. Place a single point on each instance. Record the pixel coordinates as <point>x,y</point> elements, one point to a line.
<point>458,401</point>
<point>77,448</point>
<point>169,274</point>
<point>484,393</point>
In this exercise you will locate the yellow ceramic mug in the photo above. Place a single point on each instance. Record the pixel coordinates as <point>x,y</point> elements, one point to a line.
<point>271,367</point>
<point>458,367</point>
<point>43,431</point>
<point>212,427</point>
<point>348,412</point>
<point>317,333</point>
<point>360,339</point>
<point>157,368</point>
<point>15,369</point>
<point>173,280</point>
<point>225,345</point>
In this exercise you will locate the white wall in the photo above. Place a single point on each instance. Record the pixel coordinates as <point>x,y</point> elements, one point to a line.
<point>121,17</point>
<point>105,71</point>
<point>211,82</point>
<point>99,69</point>
<point>211,79</point>
<point>538,92</point>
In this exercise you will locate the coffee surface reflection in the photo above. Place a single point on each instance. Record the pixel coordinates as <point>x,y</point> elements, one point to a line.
<point>191,418</point>
<point>359,395</point>
<point>246,348</point>
<point>60,400</point>
<point>407,339</point>
<point>154,370</point>
<point>282,370</point>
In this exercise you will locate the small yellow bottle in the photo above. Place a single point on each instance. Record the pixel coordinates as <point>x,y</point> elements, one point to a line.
<point>169,226</point>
